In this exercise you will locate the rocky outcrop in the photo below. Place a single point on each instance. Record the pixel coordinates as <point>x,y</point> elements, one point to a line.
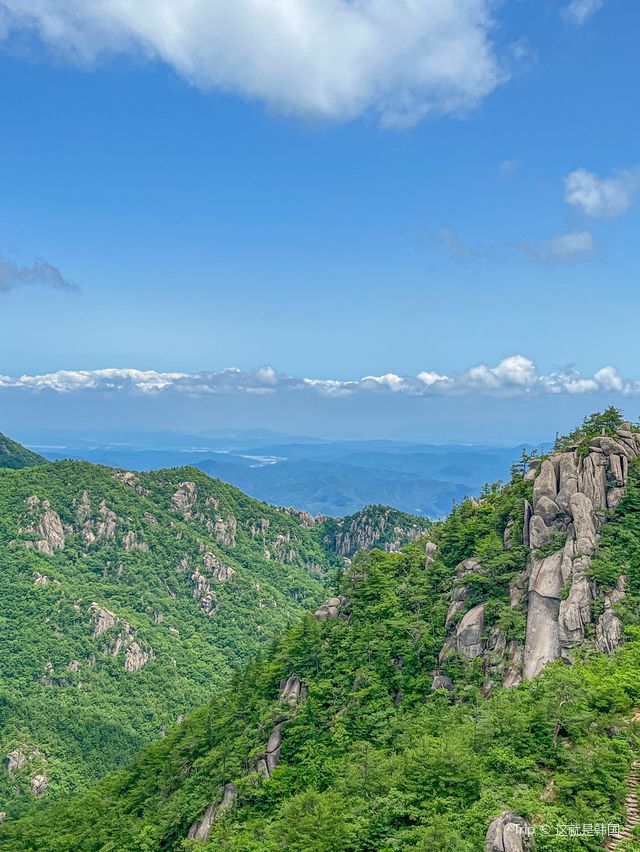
<point>609,626</point>
<point>571,492</point>
<point>305,519</point>
<point>364,531</point>
<point>460,589</point>
<point>430,550</point>
<point>39,784</point>
<point>23,758</point>
<point>130,541</point>
<point>201,828</point>
<point>185,498</point>
<point>291,692</point>
<point>83,508</point>
<point>509,832</point>
<point>281,549</point>
<point>102,527</point>
<point>136,657</point>
<point>469,641</point>
<point>331,608</point>
<point>259,528</point>
<point>223,530</point>
<point>271,757</point>
<point>203,592</point>
<point>220,571</point>
<point>103,619</point>
<point>136,653</point>
<point>45,523</point>
<point>15,760</point>
<point>130,479</point>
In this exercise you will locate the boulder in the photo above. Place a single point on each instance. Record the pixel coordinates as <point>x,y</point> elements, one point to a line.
<point>39,784</point>
<point>608,631</point>
<point>546,483</point>
<point>429,553</point>
<point>539,532</point>
<point>15,760</point>
<point>575,611</point>
<point>291,690</point>
<point>330,608</point>
<point>547,509</point>
<point>441,681</point>
<point>469,633</point>
<point>509,832</point>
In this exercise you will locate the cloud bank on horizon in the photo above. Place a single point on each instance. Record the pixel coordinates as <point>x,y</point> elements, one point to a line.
<point>331,59</point>
<point>516,375</point>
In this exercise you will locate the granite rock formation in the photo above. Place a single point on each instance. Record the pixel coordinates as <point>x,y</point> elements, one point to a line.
<point>573,493</point>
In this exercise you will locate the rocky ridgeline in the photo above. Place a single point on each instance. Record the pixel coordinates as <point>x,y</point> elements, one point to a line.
<point>373,526</point>
<point>292,692</point>
<point>572,493</point>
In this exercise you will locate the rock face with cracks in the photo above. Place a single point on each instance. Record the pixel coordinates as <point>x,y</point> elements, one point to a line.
<point>572,493</point>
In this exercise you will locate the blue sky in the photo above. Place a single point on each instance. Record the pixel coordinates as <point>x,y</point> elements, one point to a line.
<point>223,197</point>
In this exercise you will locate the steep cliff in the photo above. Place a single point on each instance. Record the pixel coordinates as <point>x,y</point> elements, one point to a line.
<point>574,493</point>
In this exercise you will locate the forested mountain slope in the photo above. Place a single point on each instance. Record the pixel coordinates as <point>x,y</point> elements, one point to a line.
<point>14,455</point>
<point>126,600</point>
<point>402,716</point>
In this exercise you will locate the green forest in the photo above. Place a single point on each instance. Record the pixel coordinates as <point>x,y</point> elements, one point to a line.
<point>370,756</point>
<point>197,576</point>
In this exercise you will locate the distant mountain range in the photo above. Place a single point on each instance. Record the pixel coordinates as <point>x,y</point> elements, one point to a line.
<point>318,476</point>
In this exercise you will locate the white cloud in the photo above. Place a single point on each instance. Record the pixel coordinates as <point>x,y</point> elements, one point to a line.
<point>578,11</point>
<point>572,247</point>
<point>430,378</point>
<point>337,59</point>
<point>515,375</point>
<point>601,198</point>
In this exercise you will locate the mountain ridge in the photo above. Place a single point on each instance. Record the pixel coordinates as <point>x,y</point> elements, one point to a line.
<point>348,735</point>
<point>14,456</point>
<point>126,599</point>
